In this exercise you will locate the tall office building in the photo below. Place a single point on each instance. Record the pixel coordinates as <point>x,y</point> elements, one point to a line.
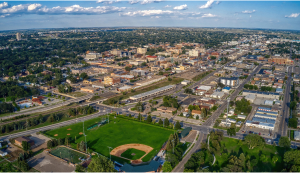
<point>18,36</point>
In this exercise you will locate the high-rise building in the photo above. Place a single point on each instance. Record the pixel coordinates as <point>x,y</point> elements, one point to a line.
<point>18,36</point>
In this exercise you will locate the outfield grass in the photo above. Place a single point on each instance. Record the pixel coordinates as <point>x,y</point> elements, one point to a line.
<point>118,132</point>
<point>133,154</point>
<point>234,149</point>
<point>67,154</point>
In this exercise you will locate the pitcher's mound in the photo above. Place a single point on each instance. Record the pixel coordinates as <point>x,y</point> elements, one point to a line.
<point>69,129</point>
<point>81,133</point>
<point>56,135</point>
<point>68,134</point>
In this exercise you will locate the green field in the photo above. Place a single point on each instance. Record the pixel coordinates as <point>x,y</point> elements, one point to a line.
<point>233,148</point>
<point>133,154</point>
<point>118,132</point>
<point>67,154</point>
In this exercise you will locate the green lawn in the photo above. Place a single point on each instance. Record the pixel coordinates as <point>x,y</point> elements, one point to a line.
<point>67,154</point>
<point>8,99</point>
<point>234,149</point>
<point>118,132</point>
<point>133,154</point>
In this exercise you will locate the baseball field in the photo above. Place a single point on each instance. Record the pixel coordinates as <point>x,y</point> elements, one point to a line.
<point>118,133</point>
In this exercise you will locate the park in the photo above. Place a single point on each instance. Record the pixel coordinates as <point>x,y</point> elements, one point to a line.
<point>146,139</point>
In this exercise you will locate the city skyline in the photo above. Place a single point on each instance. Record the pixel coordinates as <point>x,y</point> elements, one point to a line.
<point>231,14</point>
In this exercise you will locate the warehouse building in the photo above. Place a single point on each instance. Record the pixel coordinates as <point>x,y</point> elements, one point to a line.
<point>260,125</point>
<point>270,95</point>
<point>263,120</point>
<point>153,92</point>
<point>265,116</point>
<point>274,113</point>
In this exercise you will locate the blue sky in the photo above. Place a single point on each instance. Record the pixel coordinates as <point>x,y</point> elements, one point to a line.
<point>63,14</point>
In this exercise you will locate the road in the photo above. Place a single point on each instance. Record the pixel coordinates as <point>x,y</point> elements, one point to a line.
<point>282,131</point>
<point>180,167</point>
<point>47,108</point>
<point>210,121</point>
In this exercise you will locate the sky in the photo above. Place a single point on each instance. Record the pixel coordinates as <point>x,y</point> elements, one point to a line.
<point>163,13</point>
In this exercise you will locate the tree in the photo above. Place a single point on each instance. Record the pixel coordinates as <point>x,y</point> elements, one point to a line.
<point>177,125</point>
<point>101,164</point>
<point>25,145</point>
<point>293,105</point>
<point>254,140</point>
<point>149,119</point>
<point>167,167</point>
<point>127,68</point>
<point>284,142</point>
<point>293,122</point>
<point>82,146</point>
<point>60,141</point>
<point>79,168</point>
<point>231,132</point>
<point>167,123</point>
<point>49,144</point>
<point>66,141</point>
<point>274,159</point>
<point>84,76</point>
<point>160,122</point>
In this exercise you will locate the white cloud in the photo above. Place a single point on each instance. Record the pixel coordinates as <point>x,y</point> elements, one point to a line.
<point>107,1</point>
<point>209,15</point>
<point>3,5</point>
<point>133,2</point>
<point>34,6</point>
<point>250,16</point>
<point>181,7</point>
<point>74,9</point>
<point>248,12</point>
<point>208,4</point>
<point>149,1</point>
<point>4,15</point>
<point>147,13</point>
<point>168,6</point>
<point>293,15</point>
<point>218,2</point>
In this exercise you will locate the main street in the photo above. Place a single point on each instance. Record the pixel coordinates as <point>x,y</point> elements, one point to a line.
<point>282,131</point>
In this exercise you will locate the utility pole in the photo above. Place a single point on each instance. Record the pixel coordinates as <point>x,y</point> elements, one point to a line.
<point>109,151</point>
<point>228,100</point>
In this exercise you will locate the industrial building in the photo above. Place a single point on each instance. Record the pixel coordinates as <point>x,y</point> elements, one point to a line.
<point>153,92</point>
<point>274,113</point>
<point>250,98</point>
<point>92,56</point>
<point>258,115</point>
<point>269,95</point>
<point>261,125</point>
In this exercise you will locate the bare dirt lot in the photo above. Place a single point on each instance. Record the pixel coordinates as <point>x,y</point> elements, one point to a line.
<point>14,152</point>
<point>46,163</point>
